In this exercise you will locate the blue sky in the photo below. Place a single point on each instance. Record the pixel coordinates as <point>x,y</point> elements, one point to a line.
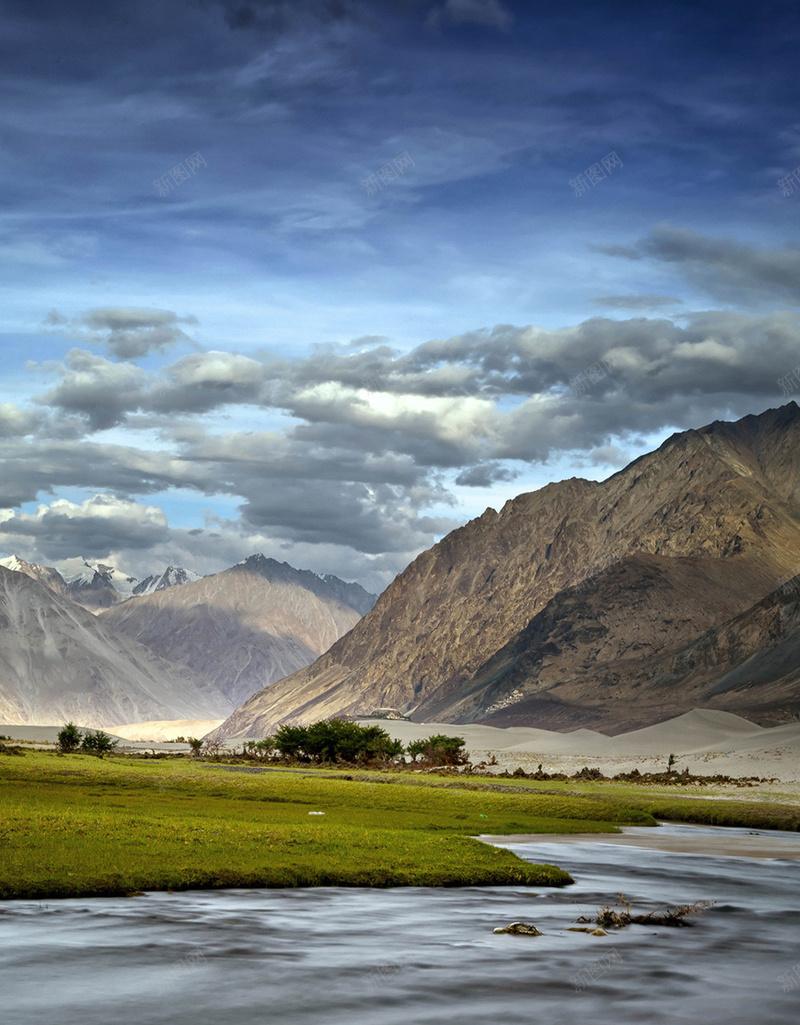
<point>273,357</point>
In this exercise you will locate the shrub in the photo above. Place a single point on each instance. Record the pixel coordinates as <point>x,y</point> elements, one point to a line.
<point>69,738</point>
<point>97,742</point>
<point>336,740</point>
<point>439,750</point>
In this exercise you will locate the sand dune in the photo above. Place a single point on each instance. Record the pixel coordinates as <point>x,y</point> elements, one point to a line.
<point>704,740</point>
<point>162,730</point>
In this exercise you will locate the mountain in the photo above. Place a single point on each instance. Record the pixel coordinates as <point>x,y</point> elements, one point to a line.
<point>354,595</point>
<point>559,610</point>
<point>171,577</point>
<point>246,627</point>
<point>44,574</point>
<point>60,662</point>
<point>96,585</point>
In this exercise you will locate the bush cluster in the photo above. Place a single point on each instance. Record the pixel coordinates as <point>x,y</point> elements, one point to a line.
<point>94,742</point>
<point>342,741</point>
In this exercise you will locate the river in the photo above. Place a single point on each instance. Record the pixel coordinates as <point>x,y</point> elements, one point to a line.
<point>408,956</point>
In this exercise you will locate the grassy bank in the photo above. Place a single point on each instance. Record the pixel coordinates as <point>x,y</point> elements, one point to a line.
<point>81,826</point>
<point>724,808</point>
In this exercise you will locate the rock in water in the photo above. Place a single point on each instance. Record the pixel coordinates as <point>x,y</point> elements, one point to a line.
<point>520,929</point>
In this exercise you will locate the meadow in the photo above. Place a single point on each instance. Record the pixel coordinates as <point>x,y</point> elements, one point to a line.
<point>77,825</point>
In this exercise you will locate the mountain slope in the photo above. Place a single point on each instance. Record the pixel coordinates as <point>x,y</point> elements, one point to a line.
<point>595,655</point>
<point>245,627</point>
<point>44,574</point>
<point>59,662</point>
<point>726,494</point>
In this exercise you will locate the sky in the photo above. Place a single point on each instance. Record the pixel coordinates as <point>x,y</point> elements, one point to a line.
<point>324,279</point>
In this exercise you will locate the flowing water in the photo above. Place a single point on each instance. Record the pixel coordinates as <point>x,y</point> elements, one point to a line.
<point>408,956</point>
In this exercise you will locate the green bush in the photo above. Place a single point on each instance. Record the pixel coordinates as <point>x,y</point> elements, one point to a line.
<point>336,740</point>
<point>439,750</point>
<point>97,742</point>
<point>69,738</point>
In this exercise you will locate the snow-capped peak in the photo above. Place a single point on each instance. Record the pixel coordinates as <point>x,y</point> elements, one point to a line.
<point>13,562</point>
<point>79,572</point>
<point>173,576</point>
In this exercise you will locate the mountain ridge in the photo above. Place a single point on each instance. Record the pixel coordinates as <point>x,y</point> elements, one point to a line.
<point>725,492</point>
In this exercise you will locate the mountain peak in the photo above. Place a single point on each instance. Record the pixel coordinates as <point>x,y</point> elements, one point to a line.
<point>575,596</point>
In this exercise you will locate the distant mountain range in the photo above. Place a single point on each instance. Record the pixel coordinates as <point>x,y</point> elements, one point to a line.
<point>96,585</point>
<point>246,627</point>
<point>607,605</point>
<point>101,647</point>
<point>59,662</point>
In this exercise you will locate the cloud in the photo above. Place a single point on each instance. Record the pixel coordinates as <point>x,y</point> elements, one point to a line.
<point>127,333</point>
<point>279,16</point>
<point>727,270</point>
<point>484,475</point>
<point>17,422</point>
<point>348,448</point>
<point>636,302</point>
<point>101,524</point>
<point>474,12</point>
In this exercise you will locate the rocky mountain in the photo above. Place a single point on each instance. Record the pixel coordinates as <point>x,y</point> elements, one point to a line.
<point>173,576</point>
<point>96,585</point>
<point>354,595</point>
<point>44,574</point>
<point>60,662</point>
<point>566,608</point>
<point>246,627</point>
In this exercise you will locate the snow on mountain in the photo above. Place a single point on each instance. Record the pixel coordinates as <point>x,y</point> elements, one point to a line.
<point>96,585</point>
<point>44,574</point>
<point>173,576</point>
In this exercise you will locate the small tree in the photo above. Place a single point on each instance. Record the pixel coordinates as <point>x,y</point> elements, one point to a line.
<point>260,750</point>
<point>98,743</point>
<point>196,744</point>
<point>670,763</point>
<point>69,738</point>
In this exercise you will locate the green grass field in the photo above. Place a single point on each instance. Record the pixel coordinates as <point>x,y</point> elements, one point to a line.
<point>81,826</point>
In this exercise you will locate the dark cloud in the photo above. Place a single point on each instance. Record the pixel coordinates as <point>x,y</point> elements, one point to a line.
<point>727,270</point>
<point>103,523</point>
<point>484,475</point>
